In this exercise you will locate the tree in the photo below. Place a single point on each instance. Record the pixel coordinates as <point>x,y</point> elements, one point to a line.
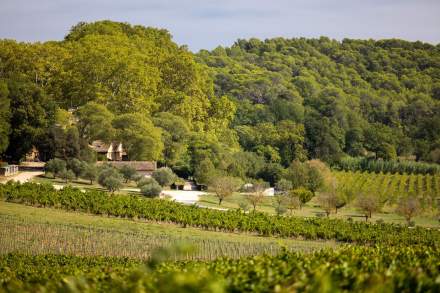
<point>224,186</point>
<point>67,175</point>
<point>55,166</point>
<point>76,166</point>
<point>110,178</point>
<point>368,204</point>
<point>164,176</point>
<point>283,186</point>
<point>204,172</point>
<point>279,203</point>
<point>5,115</point>
<point>175,134</point>
<point>90,172</point>
<point>256,196</point>
<point>94,122</point>
<point>327,201</point>
<point>142,140</point>
<point>292,201</point>
<point>128,172</point>
<point>315,179</point>
<point>408,207</point>
<point>303,195</point>
<point>150,188</point>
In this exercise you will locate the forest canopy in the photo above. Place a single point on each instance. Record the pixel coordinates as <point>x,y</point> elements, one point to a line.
<point>249,110</point>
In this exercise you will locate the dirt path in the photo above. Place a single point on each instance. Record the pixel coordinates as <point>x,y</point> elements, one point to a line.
<point>183,196</point>
<point>23,177</point>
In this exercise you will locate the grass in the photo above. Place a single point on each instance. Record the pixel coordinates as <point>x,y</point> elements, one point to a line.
<point>44,230</point>
<point>85,184</point>
<point>312,209</point>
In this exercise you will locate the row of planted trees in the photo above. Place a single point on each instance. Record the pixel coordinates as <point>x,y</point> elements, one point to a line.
<point>304,181</point>
<point>109,177</point>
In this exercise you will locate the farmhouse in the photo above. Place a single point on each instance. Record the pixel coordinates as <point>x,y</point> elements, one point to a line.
<point>109,151</point>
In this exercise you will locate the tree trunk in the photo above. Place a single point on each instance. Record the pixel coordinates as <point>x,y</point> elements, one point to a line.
<point>220,201</point>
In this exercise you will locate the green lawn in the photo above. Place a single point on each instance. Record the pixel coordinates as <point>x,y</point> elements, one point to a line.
<point>43,230</point>
<point>312,209</point>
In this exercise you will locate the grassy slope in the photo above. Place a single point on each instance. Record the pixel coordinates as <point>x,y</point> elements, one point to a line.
<point>43,230</point>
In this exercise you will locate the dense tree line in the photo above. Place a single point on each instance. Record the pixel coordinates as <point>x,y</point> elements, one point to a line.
<point>325,99</point>
<point>247,111</point>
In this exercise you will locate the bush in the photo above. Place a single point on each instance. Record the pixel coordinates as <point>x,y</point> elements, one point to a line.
<point>110,179</point>
<point>151,189</point>
<point>164,176</point>
<point>128,172</point>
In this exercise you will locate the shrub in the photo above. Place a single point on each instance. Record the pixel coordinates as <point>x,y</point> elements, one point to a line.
<point>128,172</point>
<point>151,189</point>
<point>164,176</point>
<point>110,179</point>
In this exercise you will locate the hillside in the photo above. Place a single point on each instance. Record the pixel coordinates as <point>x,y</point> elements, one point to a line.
<point>247,111</point>
<point>351,97</point>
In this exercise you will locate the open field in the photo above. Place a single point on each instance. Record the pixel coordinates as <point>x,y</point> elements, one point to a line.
<point>35,230</point>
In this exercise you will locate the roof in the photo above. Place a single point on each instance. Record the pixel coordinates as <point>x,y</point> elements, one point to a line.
<point>99,146</point>
<point>138,165</point>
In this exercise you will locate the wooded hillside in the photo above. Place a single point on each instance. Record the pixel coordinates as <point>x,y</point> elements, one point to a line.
<point>248,110</point>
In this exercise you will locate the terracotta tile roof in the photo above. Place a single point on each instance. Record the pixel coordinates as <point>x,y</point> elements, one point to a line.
<point>138,165</point>
<point>99,146</point>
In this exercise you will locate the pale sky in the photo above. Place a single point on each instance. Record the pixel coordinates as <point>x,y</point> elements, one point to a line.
<point>205,24</point>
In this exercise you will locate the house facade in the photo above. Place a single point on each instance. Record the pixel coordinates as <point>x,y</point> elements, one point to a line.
<point>113,151</point>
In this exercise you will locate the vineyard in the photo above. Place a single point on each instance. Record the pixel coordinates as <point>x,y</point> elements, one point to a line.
<point>32,238</point>
<point>371,269</point>
<point>134,207</point>
<point>391,186</point>
<point>380,166</point>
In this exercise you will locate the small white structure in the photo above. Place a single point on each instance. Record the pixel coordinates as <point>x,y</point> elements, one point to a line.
<point>269,191</point>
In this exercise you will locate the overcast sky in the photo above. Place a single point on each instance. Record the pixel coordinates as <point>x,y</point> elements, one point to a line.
<point>209,23</point>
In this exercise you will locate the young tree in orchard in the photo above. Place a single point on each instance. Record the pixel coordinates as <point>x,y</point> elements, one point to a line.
<point>292,201</point>
<point>368,204</point>
<point>55,166</point>
<point>408,207</point>
<point>279,203</point>
<point>90,173</point>
<point>224,186</point>
<point>67,175</point>
<point>110,179</point>
<point>327,202</point>
<point>76,166</point>
<point>256,194</point>
<point>164,176</point>
<point>128,172</point>
<point>303,195</point>
<point>150,187</point>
